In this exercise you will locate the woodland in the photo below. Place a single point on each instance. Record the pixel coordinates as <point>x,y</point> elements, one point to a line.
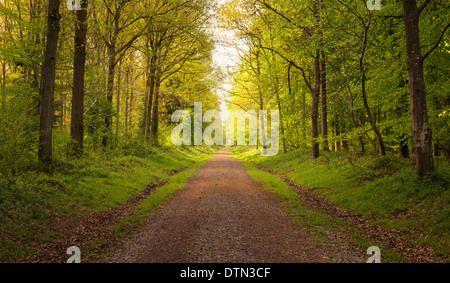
<point>88,91</point>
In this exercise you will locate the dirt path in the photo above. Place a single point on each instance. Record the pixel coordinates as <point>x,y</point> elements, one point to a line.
<point>224,216</point>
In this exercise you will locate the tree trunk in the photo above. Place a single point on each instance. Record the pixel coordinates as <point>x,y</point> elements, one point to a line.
<point>370,117</point>
<point>363,88</point>
<point>119,89</point>
<point>79,63</point>
<point>151,90</point>
<point>281,123</point>
<point>304,114</point>
<point>109,92</point>
<point>155,114</point>
<point>337,133</point>
<point>404,148</point>
<point>315,106</point>
<point>4,74</point>
<point>130,123</point>
<point>323,84</point>
<point>261,122</point>
<point>361,137</point>
<point>290,95</point>
<point>261,101</point>
<point>315,93</point>
<point>48,81</point>
<point>414,59</point>
<point>437,149</point>
<point>127,98</point>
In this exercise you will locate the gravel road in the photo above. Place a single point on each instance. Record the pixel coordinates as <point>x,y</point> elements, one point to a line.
<point>224,216</point>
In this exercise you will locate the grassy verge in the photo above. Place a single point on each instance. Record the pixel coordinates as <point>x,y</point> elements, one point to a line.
<point>124,228</point>
<point>382,189</point>
<point>29,200</point>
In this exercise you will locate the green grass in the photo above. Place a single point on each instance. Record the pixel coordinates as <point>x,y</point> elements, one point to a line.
<point>149,207</point>
<point>313,219</point>
<point>378,187</point>
<point>291,202</point>
<point>28,200</point>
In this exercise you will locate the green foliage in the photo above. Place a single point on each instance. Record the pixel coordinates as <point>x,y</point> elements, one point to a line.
<point>131,42</point>
<point>277,39</point>
<point>18,130</point>
<point>311,218</point>
<point>28,201</point>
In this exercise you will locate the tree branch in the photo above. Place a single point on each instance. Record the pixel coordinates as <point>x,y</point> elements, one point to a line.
<point>283,16</point>
<point>422,6</point>
<point>437,43</point>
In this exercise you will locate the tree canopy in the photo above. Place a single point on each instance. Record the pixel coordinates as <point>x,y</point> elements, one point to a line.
<point>109,75</point>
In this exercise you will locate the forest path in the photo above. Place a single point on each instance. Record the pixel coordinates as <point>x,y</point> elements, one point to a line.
<point>224,216</point>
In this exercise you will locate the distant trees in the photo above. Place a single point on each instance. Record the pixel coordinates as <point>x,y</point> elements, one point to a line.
<point>174,39</point>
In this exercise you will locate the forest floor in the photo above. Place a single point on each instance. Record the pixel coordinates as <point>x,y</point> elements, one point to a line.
<point>224,216</point>
<point>233,206</point>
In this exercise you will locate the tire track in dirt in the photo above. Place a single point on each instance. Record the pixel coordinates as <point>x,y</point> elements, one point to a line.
<point>224,216</point>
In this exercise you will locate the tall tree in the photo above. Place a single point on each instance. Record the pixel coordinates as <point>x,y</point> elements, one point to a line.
<point>414,59</point>
<point>323,81</point>
<point>315,95</point>
<point>363,83</point>
<point>79,63</point>
<point>48,81</point>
